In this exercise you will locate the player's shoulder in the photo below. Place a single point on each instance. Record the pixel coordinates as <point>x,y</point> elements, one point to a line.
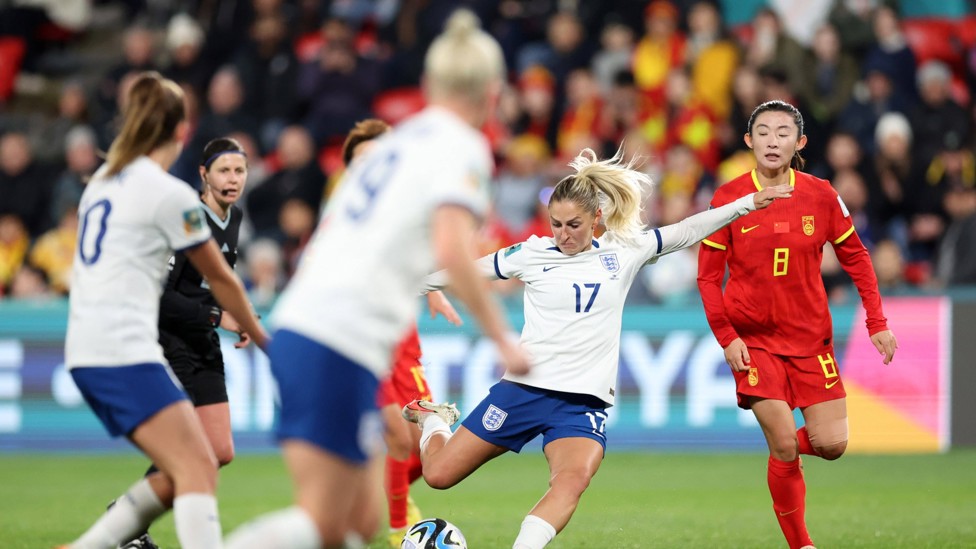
<point>734,189</point>
<point>813,182</point>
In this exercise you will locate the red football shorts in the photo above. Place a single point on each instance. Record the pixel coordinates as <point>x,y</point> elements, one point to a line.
<point>406,381</point>
<point>799,381</point>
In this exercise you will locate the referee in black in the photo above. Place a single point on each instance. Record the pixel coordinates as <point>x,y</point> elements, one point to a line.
<point>188,313</point>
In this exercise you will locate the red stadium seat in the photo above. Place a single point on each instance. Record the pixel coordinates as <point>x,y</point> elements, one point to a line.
<point>966,31</point>
<point>330,158</point>
<point>933,39</point>
<point>397,104</point>
<point>11,54</point>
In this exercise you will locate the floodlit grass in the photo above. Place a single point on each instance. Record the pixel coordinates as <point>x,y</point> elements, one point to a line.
<point>646,500</point>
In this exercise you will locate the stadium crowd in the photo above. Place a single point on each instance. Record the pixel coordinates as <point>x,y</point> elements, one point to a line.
<point>888,110</point>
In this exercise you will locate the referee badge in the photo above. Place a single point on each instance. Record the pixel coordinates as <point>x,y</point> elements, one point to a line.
<point>494,418</point>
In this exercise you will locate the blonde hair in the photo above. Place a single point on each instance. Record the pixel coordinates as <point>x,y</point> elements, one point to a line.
<point>464,59</point>
<point>152,112</point>
<point>611,185</point>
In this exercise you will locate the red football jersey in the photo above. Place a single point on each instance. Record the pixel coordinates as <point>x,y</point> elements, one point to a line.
<point>775,298</point>
<point>406,381</point>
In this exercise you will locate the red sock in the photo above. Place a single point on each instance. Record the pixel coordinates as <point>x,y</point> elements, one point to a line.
<point>804,439</point>
<point>415,469</point>
<point>397,488</point>
<point>789,492</point>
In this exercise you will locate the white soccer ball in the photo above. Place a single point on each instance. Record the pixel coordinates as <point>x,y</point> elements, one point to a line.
<point>433,533</point>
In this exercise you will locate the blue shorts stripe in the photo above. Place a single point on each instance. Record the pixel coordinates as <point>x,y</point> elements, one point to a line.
<point>326,399</point>
<point>123,397</point>
<point>513,414</point>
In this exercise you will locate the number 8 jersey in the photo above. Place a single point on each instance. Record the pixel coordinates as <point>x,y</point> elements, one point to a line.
<point>129,226</point>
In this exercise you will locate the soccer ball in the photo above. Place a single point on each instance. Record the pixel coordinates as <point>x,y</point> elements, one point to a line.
<point>433,533</point>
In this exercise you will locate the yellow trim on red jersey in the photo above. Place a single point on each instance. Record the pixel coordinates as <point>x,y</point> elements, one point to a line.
<point>844,236</point>
<point>714,244</point>
<point>755,179</point>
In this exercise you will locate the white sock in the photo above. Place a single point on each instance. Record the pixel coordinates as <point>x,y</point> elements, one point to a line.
<point>197,522</point>
<point>535,533</point>
<point>131,514</point>
<point>432,424</point>
<point>290,528</point>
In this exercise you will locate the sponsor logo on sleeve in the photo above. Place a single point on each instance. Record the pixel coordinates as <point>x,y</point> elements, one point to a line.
<point>512,249</point>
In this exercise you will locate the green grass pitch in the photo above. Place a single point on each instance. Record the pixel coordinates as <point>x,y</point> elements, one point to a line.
<point>645,500</point>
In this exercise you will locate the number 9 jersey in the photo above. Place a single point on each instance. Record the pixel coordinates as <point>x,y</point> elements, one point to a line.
<point>129,226</point>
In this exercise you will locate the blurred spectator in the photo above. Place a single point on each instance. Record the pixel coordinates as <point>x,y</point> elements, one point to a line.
<point>269,69</point>
<point>622,110</point>
<point>938,121</point>
<point>853,20</point>
<point>952,168</point>
<point>894,168</point>
<point>712,57</point>
<point>337,89</point>
<point>24,184</point>
<point>889,266</point>
<point>14,242</point>
<point>841,153</point>
<point>29,283</point>
<point>564,50</point>
<point>828,77</point>
<point>184,44</point>
<point>691,122</point>
<point>582,116</point>
<point>138,54</point>
<point>660,50</point>
<point>225,114</point>
<point>187,165</point>
<point>875,97</point>
<point>746,96</point>
<point>54,251</point>
<point>683,175</point>
<point>956,264</point>
<point>770,45</point>
<point>617,47</point>
<point>299,178</point>
<point>853,192</point>
<point>265,276</point>
<point>537,103</point>
<point>515,191</point>
<point>107,125</point>
<point>48,138</point>
<point>672,278</point>
<point>891,55</point>
<point>81,154</point>
<point>297,221</point>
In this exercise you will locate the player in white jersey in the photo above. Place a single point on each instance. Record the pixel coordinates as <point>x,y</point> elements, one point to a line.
<point>406,206</point>
<point>575,288</point>
<point>133,217</point>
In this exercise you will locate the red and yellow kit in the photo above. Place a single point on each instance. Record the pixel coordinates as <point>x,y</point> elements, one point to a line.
<point>775,297</point>
<point>406,381</point>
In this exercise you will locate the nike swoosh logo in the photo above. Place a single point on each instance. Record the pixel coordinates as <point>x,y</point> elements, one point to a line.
<point>747,229</point>
<point>547,269</point>
<point>789,512</point>
<point>830,384</point>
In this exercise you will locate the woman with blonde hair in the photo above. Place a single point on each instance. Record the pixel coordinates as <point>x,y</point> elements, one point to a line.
<point>133,217</point>
<point>575,286</point>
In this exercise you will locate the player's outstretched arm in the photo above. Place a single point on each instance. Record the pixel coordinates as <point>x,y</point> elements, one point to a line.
<point>453,239</point>
<point>438,304</point>
<point>227,288</point>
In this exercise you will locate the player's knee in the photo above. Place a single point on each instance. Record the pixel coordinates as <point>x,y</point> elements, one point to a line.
<point>439,479</point>
<point>224,453</point>
<point>832,452</point>
<point>572,482</point>
<point>785,447</point>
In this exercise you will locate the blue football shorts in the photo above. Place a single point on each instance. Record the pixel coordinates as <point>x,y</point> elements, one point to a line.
<point>123,397</point>
<point>326,399</point>
<point>513,414</point>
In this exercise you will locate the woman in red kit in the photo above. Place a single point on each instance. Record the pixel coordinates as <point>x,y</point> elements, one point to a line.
<point>772,319</point>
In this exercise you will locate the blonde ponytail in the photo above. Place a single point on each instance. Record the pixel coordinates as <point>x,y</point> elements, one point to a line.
<point>152,112</point>
<point>611,185</point>
<point>464,59</point>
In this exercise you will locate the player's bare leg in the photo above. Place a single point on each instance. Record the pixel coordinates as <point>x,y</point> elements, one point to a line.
<point>215,419</point>
<point>402,439</point>
<point>826,425</point>
<point>784,474</point>
<point>572,463</point>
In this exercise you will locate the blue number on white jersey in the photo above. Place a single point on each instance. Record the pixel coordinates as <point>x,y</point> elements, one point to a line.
<point>90,246</point>
<point>579,293</point>
<point>373,177</point>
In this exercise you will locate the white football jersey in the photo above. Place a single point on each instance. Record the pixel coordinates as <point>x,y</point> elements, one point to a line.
<point>129,226</point>
<point>356,288</point>
<point>573,305</point>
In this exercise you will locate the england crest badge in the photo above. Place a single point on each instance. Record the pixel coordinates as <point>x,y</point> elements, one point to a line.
<point>493,418</point>
<point>609,262</point>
